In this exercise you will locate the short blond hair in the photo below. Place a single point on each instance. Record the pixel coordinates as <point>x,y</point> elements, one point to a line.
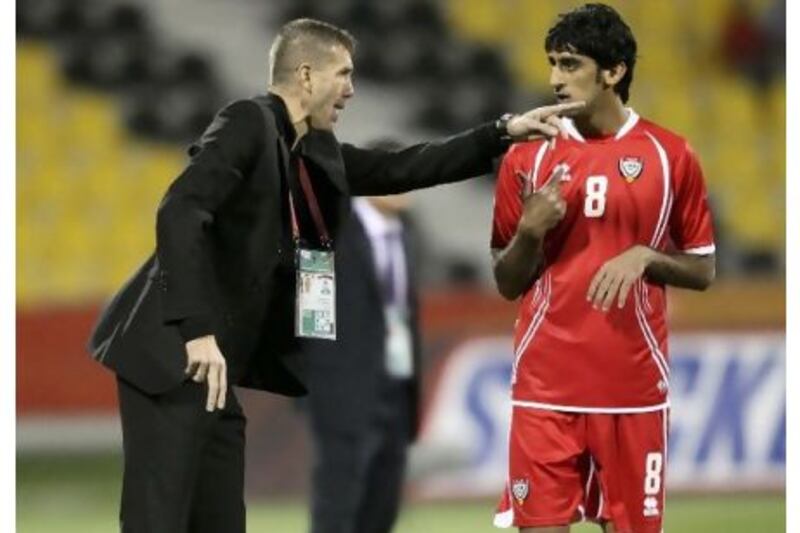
<point>302,40</point>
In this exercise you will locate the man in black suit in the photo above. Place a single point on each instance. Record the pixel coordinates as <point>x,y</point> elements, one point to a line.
<point>216,302</point>
<point>363,401</point>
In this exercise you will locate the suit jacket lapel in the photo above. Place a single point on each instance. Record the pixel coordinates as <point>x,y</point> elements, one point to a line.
<point>321,148</point>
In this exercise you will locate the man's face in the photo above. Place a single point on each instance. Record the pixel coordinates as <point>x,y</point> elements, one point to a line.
<point>332,85</point>
<point>575,77</point>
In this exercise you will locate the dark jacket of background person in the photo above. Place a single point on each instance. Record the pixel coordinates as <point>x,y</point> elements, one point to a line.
<point>362,420</point>
<point>224,260</point>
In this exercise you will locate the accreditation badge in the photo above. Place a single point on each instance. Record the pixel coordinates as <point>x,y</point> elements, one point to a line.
<point>399,350</point>
<point>315,316</point>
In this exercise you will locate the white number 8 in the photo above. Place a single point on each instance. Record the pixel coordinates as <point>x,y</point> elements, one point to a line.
<point>652,480</point>
<point>595,204</point>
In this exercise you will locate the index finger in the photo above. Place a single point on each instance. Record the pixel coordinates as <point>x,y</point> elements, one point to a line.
<point>223,387</point>
<point>546,111</point>
<point>554,181</point>
<point>213,388</point>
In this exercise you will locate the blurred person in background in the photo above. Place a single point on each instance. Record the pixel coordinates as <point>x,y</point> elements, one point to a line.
<point>258,206</point>
<point>363,388</point>
<point>589,231</point>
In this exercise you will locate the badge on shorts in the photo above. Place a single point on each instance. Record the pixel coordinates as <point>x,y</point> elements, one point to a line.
<point>316,295</point>
<point>631,167</point>
<point>519,488</point>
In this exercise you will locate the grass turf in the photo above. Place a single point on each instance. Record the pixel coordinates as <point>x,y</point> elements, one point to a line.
<point>80,495</point>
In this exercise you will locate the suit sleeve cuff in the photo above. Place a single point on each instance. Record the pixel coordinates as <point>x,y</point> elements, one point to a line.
<point>194,327</point>
<point>492,140</point>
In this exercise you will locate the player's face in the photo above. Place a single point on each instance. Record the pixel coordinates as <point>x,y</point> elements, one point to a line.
<point>575,77</point>
<point>331,87</point>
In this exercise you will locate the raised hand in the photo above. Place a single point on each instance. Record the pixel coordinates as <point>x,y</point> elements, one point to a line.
<point>544,208</point>
<point>541,122</point>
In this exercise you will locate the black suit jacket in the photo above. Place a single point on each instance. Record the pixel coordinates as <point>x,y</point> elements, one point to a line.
<point>224,255</point>
<point>346,377</point>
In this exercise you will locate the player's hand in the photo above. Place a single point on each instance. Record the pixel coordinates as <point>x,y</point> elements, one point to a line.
<point>543,209</point>
<point>616,277</point>
<point>541,122</point>
<point>204,362</point>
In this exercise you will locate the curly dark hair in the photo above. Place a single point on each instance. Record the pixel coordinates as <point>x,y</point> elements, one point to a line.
<point>596,31</point>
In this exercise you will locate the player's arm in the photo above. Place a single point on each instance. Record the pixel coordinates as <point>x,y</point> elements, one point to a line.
<point>517,265</point>
<point>686,270</point>
<point>617,276</point>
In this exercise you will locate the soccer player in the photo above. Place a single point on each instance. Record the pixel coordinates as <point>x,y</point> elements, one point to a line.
<point>588,230</point>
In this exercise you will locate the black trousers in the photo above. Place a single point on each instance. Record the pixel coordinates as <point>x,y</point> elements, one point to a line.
<point>184,466</point>
<point>357,480</point>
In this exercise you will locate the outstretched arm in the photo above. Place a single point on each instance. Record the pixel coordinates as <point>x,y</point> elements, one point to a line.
<point>466,155</point>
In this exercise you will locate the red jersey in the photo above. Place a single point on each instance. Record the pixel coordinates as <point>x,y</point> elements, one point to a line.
<point>642,186</point>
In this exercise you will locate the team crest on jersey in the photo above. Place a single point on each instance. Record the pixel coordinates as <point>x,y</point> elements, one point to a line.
<point>565,171</point>
<point>519,488</point>
<point>631,167</point>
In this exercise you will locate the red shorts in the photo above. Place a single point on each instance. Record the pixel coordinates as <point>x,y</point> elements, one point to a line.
<point>568,467</point>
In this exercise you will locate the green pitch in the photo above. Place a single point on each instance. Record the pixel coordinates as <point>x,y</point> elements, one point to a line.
<point>72,495</point>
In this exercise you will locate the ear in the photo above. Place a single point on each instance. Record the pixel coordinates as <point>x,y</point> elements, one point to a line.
<point>303,73</point>
<point>614,75</point>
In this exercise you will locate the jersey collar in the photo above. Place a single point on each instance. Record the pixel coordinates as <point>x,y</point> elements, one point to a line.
<point>633,119</point>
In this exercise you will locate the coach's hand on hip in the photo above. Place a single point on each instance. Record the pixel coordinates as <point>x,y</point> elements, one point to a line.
<point>541,122</point>
<point>205,362</point>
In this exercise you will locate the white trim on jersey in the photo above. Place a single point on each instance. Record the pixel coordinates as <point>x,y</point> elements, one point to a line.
<point>630,122</point>
<point>578,409</point>
<point>536,321</point>
<point>572,131</point>
<point>650,339</point>
<point>666,200</point>
<point>536,164</point>
<point>660,235</point>
<point>644,295</point>
<point>633,118</point>
<point>701,250</point>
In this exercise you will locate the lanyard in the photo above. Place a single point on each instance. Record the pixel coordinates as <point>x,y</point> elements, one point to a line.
<point>313,205</point>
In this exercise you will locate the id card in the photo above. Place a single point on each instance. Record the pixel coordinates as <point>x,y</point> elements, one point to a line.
<point>315,316</point>
<point>399,356</point>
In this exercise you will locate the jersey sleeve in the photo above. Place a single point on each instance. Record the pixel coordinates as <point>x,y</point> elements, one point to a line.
<point>691,228</point>
<point>507,202</point>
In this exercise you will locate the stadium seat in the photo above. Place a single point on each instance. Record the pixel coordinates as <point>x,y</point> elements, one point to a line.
<point>87,191</point>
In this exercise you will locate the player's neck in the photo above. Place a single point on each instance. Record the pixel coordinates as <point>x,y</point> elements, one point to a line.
<point>604,121</point>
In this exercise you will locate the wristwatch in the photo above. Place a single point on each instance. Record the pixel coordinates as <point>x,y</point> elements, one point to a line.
<point>502,125</point>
